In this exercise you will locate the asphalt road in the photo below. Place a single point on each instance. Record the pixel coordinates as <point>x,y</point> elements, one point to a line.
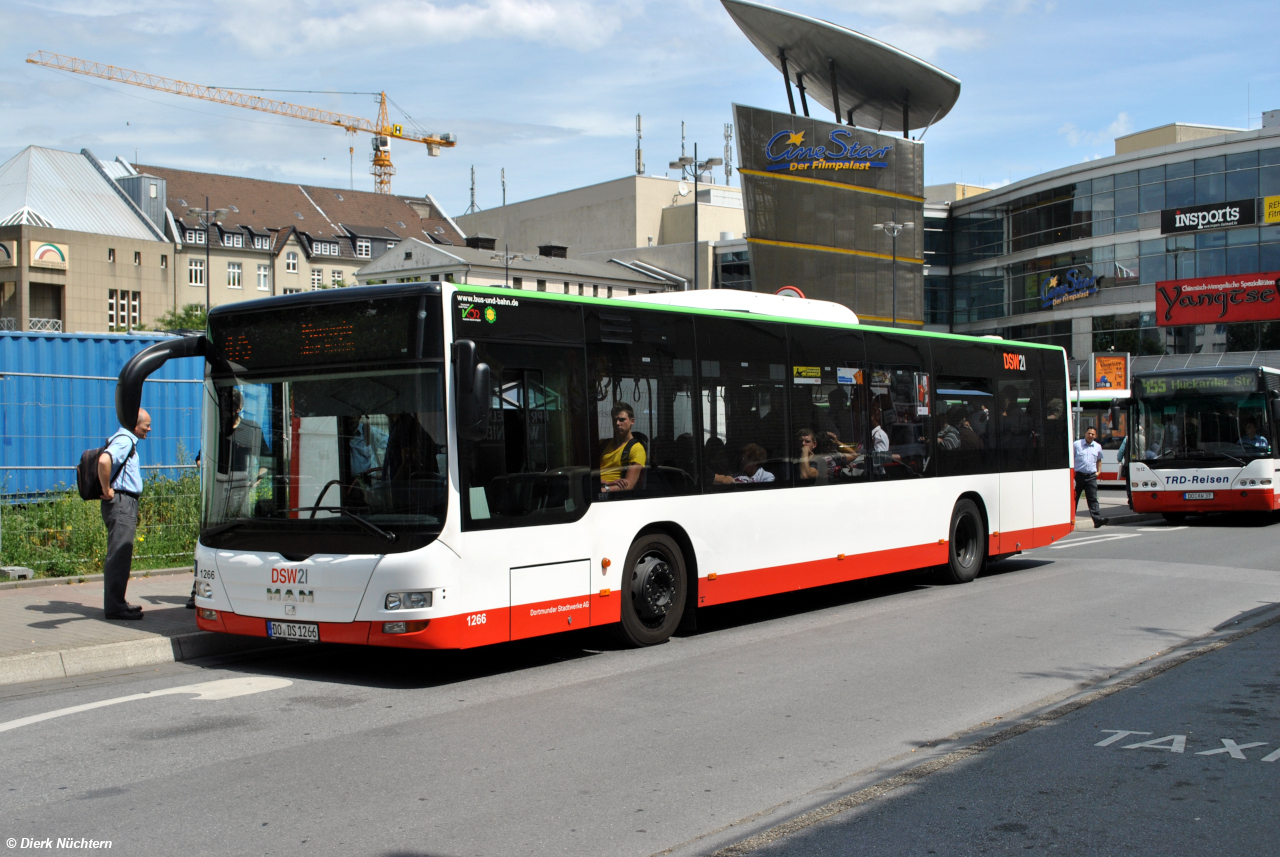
<point>565,746</point>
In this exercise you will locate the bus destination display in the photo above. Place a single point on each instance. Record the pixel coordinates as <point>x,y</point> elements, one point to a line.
<point>368,330</point>
<point>1176,385</point>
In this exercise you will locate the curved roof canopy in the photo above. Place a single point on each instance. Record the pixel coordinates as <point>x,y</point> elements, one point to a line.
<point>872,81</point>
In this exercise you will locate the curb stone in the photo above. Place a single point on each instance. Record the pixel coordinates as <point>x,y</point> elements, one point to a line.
<point>82,660</point>
<point>88,578</point>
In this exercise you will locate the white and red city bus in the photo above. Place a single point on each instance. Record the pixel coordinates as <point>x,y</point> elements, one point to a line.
<point>1103,410</point>
<point>1204,440</point>
<point>419,465</point>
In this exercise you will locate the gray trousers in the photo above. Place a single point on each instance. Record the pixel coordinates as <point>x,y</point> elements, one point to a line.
<point>1088,483</point>
<point>120,515</point>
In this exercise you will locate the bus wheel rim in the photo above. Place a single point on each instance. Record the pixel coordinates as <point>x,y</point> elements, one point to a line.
<point>966,541</point>
<point>653,589</point>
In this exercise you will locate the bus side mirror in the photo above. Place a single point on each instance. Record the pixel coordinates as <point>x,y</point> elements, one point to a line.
<point>1116,411</point>
<point>471,379</point>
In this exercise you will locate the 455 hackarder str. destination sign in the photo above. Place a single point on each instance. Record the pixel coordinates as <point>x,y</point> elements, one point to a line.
<point>1215,215</point>
<point>1218,300</point>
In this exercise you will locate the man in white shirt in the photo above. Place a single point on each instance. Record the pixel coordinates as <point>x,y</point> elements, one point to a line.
<point>1086,454</point>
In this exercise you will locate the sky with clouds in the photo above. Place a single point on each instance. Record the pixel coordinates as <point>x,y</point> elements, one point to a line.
<point>549,89</point>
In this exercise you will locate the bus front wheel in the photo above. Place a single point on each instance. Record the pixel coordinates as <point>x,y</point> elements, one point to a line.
<point>967,546</point>
<point>654,589</point>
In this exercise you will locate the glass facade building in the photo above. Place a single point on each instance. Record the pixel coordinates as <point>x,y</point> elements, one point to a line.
<point>1072,257</point>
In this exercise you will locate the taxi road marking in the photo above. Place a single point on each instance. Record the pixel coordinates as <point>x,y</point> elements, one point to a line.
<point>1178,744</point>
<point>226,688</point>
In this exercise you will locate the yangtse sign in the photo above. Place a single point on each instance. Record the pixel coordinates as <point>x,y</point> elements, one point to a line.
<point>1218,300</point>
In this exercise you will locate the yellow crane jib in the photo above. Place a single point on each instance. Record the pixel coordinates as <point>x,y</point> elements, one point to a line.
<point>382,130</point>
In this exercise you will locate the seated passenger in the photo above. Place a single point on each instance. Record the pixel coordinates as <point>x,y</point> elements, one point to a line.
<point>1251,439</point>
<point>810,466</point>
<point>753,458</point>
<point>623,458</point>
<point>949,437</point>
<point>969,438</point>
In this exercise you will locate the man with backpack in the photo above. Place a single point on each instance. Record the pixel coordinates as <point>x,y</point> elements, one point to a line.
<point>623,459</point>
<point>121,480</point>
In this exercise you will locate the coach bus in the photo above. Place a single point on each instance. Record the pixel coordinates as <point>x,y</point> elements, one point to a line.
<point>435,465</point>
<point>1204,440</point>
<point>1105,412</point>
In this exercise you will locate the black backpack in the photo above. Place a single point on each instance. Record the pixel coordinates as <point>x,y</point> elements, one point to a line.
<point>87,471</point>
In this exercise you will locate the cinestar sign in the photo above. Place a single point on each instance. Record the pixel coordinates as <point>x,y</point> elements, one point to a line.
<point>1216,215</point>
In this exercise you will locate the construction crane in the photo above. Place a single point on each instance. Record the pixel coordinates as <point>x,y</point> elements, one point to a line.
<point>382,129</point>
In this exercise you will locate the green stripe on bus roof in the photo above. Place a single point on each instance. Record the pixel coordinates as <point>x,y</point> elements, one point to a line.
<point>499,291</point>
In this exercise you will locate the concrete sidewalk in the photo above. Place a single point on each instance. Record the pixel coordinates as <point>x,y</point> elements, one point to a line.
<point>57,631</point>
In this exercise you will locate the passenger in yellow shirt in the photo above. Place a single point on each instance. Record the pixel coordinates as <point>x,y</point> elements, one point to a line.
<point>622,461</point>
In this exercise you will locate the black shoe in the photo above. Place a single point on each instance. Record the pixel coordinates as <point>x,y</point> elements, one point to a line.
<point>125,616</point>
<point>134,608</point>
<point>191,603</point>
<point>1102,522</point>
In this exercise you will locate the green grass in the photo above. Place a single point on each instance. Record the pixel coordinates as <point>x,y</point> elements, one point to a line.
<point>62,535</point>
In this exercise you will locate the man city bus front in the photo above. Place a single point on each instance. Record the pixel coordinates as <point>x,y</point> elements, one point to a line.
<point>1204,440</point>
<point>324,465</point>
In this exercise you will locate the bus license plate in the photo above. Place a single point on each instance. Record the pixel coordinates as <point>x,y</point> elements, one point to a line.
<point>293,631</point>
<point>1198,495</point>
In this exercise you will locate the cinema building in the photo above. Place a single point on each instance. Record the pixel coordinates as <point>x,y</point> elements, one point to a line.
<point>1168,250</point>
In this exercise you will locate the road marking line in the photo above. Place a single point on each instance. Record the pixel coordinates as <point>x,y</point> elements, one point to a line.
<point>1161,529</point>
<point>1120,733</point>
<point>1179,744</point>
<point>226,688</point>
<point>1089,540</point>
<point>1229,746</point>
<point>1272,757</point>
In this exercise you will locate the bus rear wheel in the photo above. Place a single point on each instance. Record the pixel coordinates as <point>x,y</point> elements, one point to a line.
<point>967,545</point>
<point>654,589</point>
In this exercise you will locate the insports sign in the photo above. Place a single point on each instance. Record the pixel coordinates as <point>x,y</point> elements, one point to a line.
<point>1215,215</point>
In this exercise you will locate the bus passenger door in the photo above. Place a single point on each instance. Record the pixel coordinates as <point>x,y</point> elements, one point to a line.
<point>523,486</point>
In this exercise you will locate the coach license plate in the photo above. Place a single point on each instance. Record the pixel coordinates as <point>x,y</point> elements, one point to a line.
<point>1198,495</point>
<point>293,631</point>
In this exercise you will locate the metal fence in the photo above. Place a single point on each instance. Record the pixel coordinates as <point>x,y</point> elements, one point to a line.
<point>58,534</point>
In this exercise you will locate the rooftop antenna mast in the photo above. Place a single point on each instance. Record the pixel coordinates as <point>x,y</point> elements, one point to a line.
<point>639,152</point>
<point>728,152</point>
<point>472,208</point>
<point>682,139</point>
<point>504,187</point>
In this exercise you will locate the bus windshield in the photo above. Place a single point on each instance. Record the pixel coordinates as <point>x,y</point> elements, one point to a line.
<point>357,458</point>
<point>1224,428</point>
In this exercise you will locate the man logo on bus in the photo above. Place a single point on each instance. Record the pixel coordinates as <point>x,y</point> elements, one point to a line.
<point>1016,362</point>
<point>490,314</point>
<point>470,312</point>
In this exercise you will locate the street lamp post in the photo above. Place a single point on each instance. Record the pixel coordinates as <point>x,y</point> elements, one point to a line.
<point>206,218</point>
<point>697,168</point>
<point>893,229</point>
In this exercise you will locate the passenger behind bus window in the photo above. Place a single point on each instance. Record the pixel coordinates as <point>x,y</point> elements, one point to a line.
<point>752,470</point>
<point>1253,441</point>
<point>623,458</point>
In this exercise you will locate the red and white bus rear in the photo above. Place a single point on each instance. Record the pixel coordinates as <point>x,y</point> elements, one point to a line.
<point>1203,440</point>
<point>434,465</point>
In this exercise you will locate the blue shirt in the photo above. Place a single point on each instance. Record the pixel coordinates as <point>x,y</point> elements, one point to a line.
<point>1255,442</point>
<point>130,476</point>
<point>1087,456</point>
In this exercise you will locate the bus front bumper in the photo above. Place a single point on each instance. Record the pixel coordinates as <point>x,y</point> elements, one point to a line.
<point>1224,500</point>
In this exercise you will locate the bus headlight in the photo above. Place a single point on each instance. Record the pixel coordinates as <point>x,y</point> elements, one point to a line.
<point>205,589</point>
<point>407,600</point>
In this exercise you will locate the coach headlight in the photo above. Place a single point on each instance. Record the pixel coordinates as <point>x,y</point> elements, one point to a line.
<point>393,601</point>
<point>407,600</point>
<point>205,589</point>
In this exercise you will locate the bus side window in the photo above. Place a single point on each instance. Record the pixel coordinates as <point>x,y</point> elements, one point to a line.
<point>1057,446</point>
<point>746,436</point>
<point>828,406</point>
<point>531,468</point>
<point>965,444</point>
<point>644,361</point>
<point>1020,415</point>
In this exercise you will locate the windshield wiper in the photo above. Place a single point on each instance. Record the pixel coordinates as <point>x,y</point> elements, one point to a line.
<point>221,528</point>
<point>363,522</point>
<point>1205,454</point>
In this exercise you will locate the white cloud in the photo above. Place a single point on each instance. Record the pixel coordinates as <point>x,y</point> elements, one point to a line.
<point>1122,125</point>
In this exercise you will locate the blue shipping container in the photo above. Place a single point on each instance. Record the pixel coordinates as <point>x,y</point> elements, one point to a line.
<point>57,399</point>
